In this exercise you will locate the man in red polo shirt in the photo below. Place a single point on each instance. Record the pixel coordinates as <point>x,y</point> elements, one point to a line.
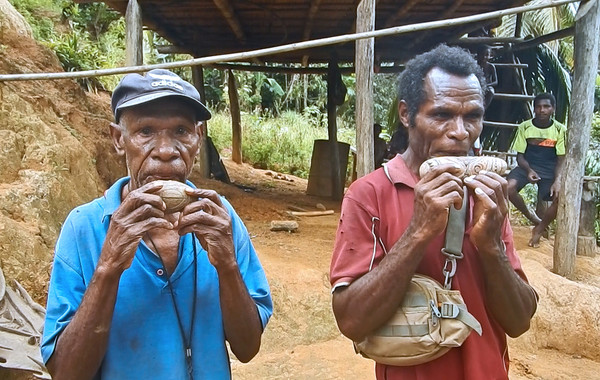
<point>393,223</point>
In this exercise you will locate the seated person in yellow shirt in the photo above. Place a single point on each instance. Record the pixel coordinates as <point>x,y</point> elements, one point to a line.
<point>540,147</point>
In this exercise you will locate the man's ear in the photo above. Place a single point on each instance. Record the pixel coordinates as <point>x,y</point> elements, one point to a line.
<point>116,135</point>
<point>200,129</point>
<point>403,113</point>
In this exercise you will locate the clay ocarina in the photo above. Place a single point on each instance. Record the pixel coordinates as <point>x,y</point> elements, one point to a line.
<point>469,165</point>
<point>174,195</point>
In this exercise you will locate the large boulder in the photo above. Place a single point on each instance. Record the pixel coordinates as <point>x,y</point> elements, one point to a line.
<point>567,316</point>
<point>13,21</point>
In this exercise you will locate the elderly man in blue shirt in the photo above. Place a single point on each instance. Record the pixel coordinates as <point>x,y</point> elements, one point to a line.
<point>138,291</point>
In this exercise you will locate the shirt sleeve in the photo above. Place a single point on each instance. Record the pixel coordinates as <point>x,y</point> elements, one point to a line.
<point>250,267</point>
<point>560,142</point>
<point>355,251</point>
<point>520,143</point>
<point>65,291</point>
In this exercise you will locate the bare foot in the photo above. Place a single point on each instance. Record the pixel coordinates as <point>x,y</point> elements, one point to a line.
<point>536,234</point>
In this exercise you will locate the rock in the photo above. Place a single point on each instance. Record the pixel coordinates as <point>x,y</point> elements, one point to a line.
<point>567,315</point>
<point>11,20</point>
<point>321,207</point>
<point>284,225</point>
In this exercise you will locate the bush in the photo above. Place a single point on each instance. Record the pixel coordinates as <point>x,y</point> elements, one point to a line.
<point>282,144</point>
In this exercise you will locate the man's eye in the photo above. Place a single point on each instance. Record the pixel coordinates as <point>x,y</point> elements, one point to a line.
<point>146,131</point>
<point>181,131</point>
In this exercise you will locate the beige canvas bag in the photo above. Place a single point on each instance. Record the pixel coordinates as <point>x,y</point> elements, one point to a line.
<point>432,318</point>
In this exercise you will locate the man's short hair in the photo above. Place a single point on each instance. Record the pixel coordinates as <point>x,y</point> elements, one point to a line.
<point>453,60</point>
<point>545,96</point>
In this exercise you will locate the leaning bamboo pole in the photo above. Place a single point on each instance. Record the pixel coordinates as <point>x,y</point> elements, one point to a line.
<point>288,47</point>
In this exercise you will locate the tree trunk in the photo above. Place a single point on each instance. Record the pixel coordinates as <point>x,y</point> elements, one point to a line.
<point>365,22</point>
<point>587,29</point>
<point>134,37</point>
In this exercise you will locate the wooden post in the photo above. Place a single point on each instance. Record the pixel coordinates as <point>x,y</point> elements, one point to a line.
<point>587,29</point>
<point>236,119</point>
<point>365,22</point>
<point>337,190</point>
<point>134,37</point>
<point>203,163</point>
<point>586,237</point>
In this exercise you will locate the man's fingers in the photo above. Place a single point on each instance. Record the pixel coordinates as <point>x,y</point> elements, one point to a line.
<point>208,194</point>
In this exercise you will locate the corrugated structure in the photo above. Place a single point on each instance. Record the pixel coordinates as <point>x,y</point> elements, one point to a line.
<point>205,28</point>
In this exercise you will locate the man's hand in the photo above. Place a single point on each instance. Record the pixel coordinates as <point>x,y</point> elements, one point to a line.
<point>210,221</point>
<point>532,176</point>
<point>555,189</point>
<point>140,211</point>
<point>490,208</point>
<point>435,193</point>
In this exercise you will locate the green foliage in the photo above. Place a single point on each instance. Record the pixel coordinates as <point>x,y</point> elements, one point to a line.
<point>76,54</point>
<point>283,143</point>
<point>84,36</point>
<point>40,14</point>
<point>592,163</point>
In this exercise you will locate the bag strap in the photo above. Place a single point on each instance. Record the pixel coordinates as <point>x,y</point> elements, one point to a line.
<point>455,233</point>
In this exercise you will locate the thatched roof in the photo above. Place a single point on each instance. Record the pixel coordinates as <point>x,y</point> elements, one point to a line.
<point>204,28</point>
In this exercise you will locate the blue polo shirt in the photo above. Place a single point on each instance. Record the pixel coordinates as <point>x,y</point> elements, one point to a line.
<point>145,340</point>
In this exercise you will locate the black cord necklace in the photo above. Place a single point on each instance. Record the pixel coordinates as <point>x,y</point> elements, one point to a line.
<point>187,341</point>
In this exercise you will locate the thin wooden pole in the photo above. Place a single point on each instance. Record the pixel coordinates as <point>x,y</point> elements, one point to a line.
<point>247,55</point>
<point>236,119</point>
<point>134,37</point>
<point>587,29</point>
<point>365,21</point>
<point>337,190</point>
<point>203,163</point>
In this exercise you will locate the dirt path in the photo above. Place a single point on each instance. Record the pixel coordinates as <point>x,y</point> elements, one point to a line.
<point>302,340</point>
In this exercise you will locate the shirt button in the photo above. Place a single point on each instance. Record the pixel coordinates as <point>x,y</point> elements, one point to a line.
<point>160,272</point>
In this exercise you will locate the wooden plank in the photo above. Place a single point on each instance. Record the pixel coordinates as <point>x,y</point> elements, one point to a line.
<point>534,42</point>
<point>587,30</point>
<point>337,191</point>
<point>364,58</point>
<point>236,119</point>
<point>232,20</point>
<point>310,213</point>
<point>499,124</point>
<point>203,165</point>
<point>505,65</point>
<point>134,38</point>
<point>403,10</point>
<point>504,96</point>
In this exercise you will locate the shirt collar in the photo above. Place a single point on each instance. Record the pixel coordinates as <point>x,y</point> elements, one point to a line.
<point>398,172</point>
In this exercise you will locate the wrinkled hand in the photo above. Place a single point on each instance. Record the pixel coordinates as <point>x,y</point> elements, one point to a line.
<point>210,221</point>
<point>532,176</point>
<point>435,193</point>
<point>490,208</point>
<point>140,211</point>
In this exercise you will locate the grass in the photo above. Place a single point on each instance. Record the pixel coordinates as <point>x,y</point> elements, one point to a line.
<point>283,144</point>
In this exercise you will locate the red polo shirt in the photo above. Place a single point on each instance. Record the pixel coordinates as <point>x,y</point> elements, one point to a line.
<point>373,199</point>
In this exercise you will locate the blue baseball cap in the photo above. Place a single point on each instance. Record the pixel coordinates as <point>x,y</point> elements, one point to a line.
<point>136,89</point>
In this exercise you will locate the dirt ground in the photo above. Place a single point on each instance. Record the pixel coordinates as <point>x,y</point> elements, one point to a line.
<point>302,340</point>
